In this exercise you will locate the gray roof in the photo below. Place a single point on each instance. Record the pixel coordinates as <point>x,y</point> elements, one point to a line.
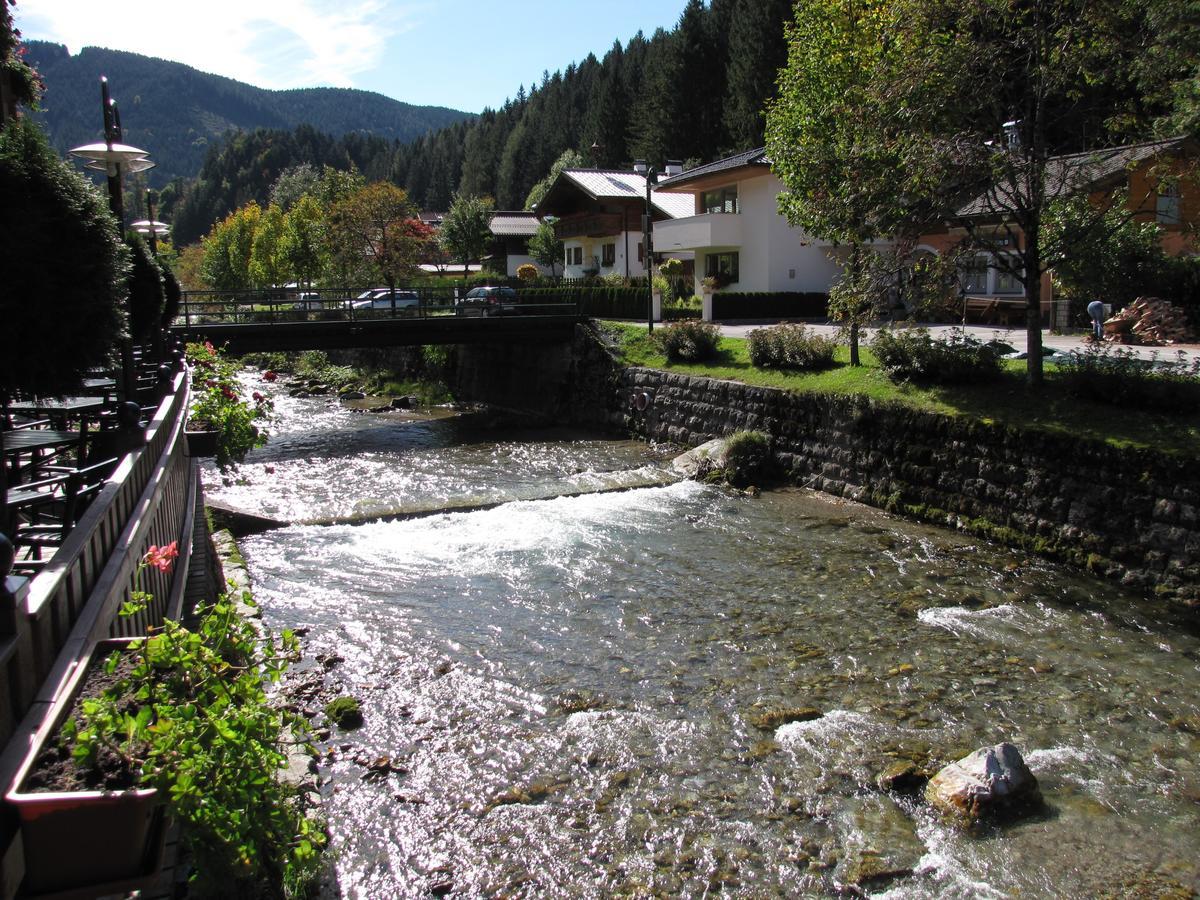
<point>514,224</point>
<point>610,184</point>
<point>1073,173</point>
<point>757,157</point>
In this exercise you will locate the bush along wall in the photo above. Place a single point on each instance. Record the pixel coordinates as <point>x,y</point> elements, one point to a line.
<point>1130,516</point>
<point>770,305</point>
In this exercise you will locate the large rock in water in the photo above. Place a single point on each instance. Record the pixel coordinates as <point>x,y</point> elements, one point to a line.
<point>993,782</point>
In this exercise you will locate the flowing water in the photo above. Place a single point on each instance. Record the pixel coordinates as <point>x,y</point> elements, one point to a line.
<point>564,696</point>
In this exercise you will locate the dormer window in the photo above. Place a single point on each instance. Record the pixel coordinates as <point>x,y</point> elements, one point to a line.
<point>722,200</point>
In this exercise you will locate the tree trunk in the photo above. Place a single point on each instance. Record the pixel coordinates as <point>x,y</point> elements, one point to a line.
<point>854,361</point>
<point>1033,305</point>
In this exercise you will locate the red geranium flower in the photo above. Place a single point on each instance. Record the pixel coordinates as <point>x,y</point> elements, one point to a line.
<point>162,557</point>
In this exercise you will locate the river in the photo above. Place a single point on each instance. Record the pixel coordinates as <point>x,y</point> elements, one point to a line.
<point>564,693</point>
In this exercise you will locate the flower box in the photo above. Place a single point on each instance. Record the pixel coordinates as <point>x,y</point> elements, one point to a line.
<point>102,841</point>
<point>201,443</point>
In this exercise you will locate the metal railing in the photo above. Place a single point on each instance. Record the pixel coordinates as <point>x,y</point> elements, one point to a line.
<point>345,305</point>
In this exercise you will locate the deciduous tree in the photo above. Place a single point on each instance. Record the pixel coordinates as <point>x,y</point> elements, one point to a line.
<point>466,228</point>
<point>376,235</point>
<point>546,247</point>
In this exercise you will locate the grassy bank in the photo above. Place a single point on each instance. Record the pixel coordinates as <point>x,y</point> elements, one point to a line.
<point>1008,401</point>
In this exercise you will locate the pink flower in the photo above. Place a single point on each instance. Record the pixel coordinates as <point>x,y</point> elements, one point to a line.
<point>269,375</point>
<point>270,470</point>
<point>162,557</point>
<point>258,398</point>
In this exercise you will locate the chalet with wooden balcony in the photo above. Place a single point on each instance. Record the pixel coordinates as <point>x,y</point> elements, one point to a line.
<point>598,216</point>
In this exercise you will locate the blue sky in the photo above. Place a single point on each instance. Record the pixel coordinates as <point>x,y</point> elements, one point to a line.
<point>465,54</point>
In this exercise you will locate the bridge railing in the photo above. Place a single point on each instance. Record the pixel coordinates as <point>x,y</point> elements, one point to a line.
<point>340,305</point>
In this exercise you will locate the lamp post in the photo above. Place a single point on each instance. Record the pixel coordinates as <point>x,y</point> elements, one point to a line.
<point>151,227</point>
<point>112,157</point>
<point>651,175</point>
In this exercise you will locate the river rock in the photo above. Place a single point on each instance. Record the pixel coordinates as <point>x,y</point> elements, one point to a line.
<point>879,843</point>
<point>697,462</point>
<point>404,402</point>
<point>991,782</point>
<point>352,395</point>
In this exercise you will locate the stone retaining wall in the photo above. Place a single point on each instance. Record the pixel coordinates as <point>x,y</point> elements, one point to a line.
<point>1133,516</point>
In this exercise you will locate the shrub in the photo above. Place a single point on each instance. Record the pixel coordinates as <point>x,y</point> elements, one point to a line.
<point>63,301</point>
<point>768,305</point>
<point>1105,374</point>
<point>527,272</point>
<point>789,347</point>
<point>145,285</point>
<point>914,355</point>
<point>688,341</point>
<point>747,457</point>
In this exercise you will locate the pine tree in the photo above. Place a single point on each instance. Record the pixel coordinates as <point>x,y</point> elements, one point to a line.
<point>757,51</point>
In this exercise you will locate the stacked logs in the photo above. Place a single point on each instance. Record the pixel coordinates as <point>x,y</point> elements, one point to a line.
<point>1148,320</point>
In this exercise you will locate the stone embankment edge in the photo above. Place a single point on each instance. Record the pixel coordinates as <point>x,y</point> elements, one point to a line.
<point>301,770</point>
<point>1128,515</point>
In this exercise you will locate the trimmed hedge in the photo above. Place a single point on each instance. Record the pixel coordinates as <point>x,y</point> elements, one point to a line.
<point>770,305</point>
<point>599,301</point>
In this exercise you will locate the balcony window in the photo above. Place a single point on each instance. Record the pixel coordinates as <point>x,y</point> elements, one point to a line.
<point>722,200</point>
<point>974,276</point>
<point>1005,281</point>
<point>608,255</point>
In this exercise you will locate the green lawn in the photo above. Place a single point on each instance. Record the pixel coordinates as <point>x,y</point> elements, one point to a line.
<point>1009,401</point>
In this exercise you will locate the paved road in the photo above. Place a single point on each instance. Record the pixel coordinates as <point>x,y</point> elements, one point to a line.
<point>1013,336</point>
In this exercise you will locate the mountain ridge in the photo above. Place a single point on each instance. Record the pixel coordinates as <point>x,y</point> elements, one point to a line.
<point>176,111</point>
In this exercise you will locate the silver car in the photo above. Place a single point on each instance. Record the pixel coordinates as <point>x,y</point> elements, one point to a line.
<point>382,299</point>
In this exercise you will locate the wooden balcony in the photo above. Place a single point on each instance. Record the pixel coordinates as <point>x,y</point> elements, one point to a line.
<point>590,225</point>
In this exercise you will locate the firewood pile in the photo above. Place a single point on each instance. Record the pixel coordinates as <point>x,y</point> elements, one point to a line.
<point>1148,320</point>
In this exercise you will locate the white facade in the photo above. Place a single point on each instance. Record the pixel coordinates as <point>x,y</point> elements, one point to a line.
<point>585,256</point>
<point>771,255</point>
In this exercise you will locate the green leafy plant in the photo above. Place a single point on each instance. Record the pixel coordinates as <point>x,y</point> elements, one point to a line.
<point>914,355</point>
<point>344,712</point>
<point>789,347</point>
<point>688,341</point>
<point>747,457</point>
<point>188,714</point>
<point>217,406</point>
<point>1106,374</point>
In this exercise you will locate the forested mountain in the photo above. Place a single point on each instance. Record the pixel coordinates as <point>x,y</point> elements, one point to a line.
<point>176,112</point>
<point>694,93</point>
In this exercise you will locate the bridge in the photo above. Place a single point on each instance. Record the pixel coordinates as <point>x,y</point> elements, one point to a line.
<point>251,322</point>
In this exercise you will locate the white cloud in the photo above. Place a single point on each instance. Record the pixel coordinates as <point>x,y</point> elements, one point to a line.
<point>269,43</point>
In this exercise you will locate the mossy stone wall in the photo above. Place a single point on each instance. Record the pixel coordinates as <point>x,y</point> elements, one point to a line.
<point>1128,515</point>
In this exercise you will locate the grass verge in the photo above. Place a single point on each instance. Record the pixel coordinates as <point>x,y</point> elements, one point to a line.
<point>1008,401</point>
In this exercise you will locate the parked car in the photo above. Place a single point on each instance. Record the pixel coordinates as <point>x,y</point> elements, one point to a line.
<point>381,299</point>
<point>309,301</point>
<point>487,301</point>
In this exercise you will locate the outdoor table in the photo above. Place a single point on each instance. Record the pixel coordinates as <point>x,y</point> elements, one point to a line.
<point>59,408</point>
<point>99,386</point>
<point>33,441</point>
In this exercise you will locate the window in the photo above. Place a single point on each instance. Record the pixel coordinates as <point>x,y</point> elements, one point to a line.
<point>724,265</point>
<point>1004,282</point>
<point>722,200</point>
<point>975,275</point>
<point>1168,204</point>
<point>641,252</point>
<point>577,255</point>
<point>608,255</point>
<point>567,256</point>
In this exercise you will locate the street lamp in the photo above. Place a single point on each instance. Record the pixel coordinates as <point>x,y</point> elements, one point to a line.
<point>111,156</point>
<point>151,227</point>
<point>651,175</point>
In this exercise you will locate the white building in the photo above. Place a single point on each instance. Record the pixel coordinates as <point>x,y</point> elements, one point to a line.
<point>733,226</point>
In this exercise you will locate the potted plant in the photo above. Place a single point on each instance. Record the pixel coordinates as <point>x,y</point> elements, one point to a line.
<point>128,816</point>
<point>220,423</point>
<point>185,719</point>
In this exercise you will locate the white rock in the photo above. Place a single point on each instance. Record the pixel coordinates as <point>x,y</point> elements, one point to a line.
<point>991,781</point>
